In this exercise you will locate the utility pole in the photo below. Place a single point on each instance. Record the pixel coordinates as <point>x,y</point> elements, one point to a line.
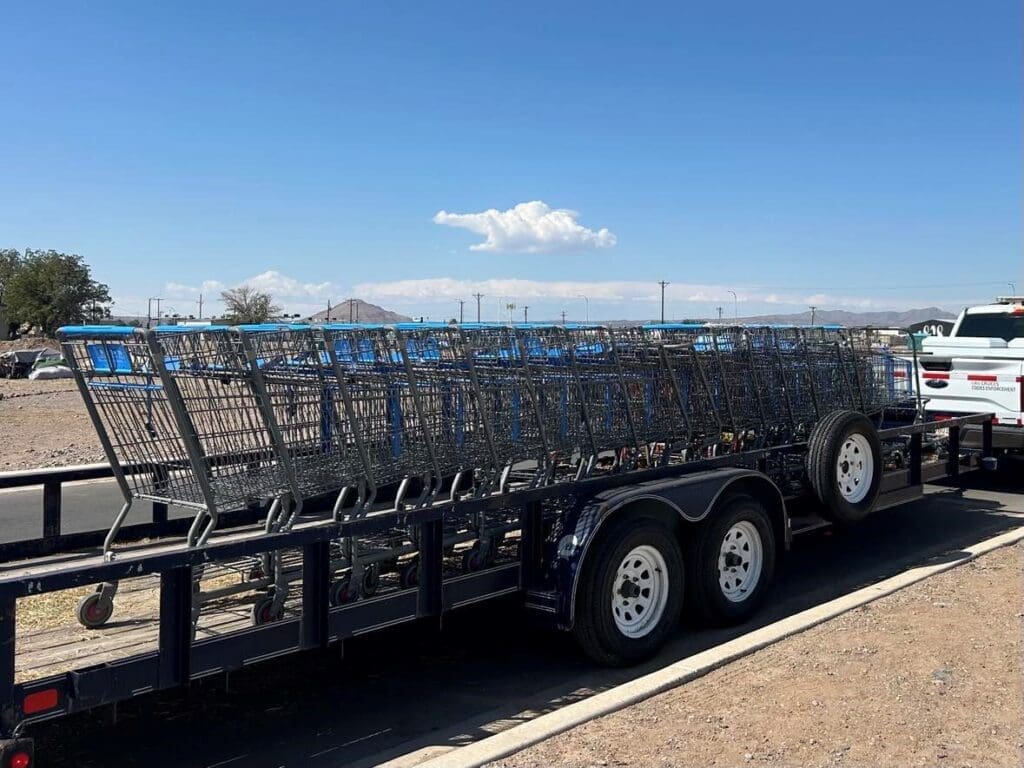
<point>663,283</point>
<point>351,310</point>
<point>200,303</point>
<point>328,310</point>
<point>563,317</point>
<point>719,314</point>
<point>526,317</point>
<point>812,314</point>
<point>478,296</point>
<point>462,304</point>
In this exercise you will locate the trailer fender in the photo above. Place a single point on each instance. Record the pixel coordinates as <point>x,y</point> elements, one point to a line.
<point>678,502</point>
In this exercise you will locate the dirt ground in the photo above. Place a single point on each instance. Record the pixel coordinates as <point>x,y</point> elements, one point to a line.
<point>44,424</point>
<point>929,676</point>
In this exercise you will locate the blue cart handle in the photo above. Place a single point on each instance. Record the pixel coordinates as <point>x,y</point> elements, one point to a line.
<point>92,331</point>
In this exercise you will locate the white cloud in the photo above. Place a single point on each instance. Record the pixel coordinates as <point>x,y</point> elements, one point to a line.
<point>292,294</point>
<point>615,295</point>
<point>533,227</point>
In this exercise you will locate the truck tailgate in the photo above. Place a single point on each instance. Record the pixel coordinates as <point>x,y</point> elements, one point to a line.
<point>972,378</point>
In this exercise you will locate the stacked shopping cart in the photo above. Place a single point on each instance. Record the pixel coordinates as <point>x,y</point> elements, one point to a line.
<point>388,417</point>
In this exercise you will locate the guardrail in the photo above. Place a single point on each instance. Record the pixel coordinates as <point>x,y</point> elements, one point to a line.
<point>52,481</point>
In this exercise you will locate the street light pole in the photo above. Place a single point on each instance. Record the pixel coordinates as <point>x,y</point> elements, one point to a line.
<point>735,306</point>
<point>149,310</point>
<point>812,314</point>
<point>587,305</point>
<point>526,316</point>
<point>663,283</point>
<point>462,304</point>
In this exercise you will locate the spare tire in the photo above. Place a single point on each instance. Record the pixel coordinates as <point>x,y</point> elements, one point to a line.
<point>844,465</point>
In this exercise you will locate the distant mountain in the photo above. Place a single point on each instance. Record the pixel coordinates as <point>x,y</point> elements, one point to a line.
<point>842,317</point>
<point>358,311</point>
<point>886,319</point>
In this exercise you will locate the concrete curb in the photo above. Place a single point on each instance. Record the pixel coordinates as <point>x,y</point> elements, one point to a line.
<point>544,727</point>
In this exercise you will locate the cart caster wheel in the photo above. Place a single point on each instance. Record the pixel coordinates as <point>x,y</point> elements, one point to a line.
<point>409,575</point>
<point>342,592</point>
<point>94,610</point>
<point>370,581</point>
<point>473,559</point>
<point>264,611</point>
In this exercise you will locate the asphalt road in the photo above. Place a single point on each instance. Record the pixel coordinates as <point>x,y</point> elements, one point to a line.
<point>419,685</point>
<point>89,505</point>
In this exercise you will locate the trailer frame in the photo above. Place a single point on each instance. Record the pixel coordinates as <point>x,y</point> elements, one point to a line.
<point>179,658</point>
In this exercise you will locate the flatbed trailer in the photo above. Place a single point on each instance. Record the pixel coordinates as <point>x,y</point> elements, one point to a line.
<point>559,538</point>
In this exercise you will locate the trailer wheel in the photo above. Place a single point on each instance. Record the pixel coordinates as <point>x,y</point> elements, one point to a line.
<point>844,465</point>
<point>95,610</point>
<point>265,612</point>
<point>630,592</point>
<point>731,562</point>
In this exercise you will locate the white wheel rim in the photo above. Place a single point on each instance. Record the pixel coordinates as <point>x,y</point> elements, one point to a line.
<point>855,468</point>
<point>740,560</point>
<point>640,591</point>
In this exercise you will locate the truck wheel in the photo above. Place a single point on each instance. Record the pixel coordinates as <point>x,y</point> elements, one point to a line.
<point>731,562</point>
<point>844,465</point>
<point>630,592</point>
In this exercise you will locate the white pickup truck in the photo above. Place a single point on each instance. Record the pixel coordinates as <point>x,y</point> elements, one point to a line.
<point>978,368</point>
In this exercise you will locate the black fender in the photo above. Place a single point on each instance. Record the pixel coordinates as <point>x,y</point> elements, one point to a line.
<point>678,501</point>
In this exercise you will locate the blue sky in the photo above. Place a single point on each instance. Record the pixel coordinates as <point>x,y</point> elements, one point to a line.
<point>860,155</point>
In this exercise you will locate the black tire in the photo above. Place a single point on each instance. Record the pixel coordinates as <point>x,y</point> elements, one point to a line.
<point>595,626</point>
<point>265,612</point>
<point>706,595</point>
<point>824,452</point>
<point>371,580</point>
<point>94,610</point>
<point>409,574</point>
<point>342,591</point>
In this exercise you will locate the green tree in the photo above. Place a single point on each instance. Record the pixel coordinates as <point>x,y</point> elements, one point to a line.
<point>10,260</point>
<point>50,289</point>
<point>246,304</point>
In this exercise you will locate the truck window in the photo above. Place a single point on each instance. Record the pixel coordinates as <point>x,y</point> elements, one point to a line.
<point>992,325</point>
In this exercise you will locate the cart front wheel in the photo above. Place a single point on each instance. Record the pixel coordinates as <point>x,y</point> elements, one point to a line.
<point>630,592</point>
<point>370,582</point>
<point>409,574</point>
<point>94,610</point>
<point>265,612</point>
<point>342,592</point>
